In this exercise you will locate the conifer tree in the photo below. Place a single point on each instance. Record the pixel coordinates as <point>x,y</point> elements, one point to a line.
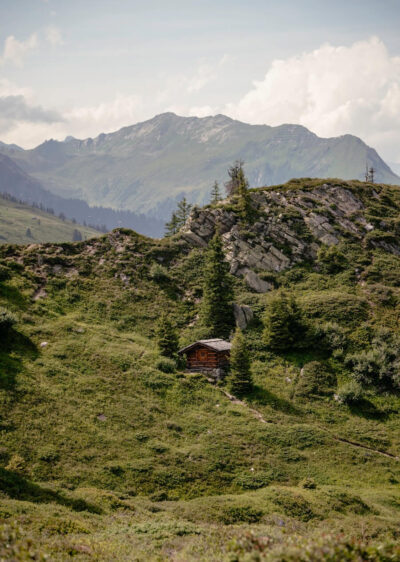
<point>215,193</point>
<point>244,201</point>
<point>240,381</point>
<point>183,212</point>
<point>232,185</point>
<point>167,337</point>
<point>283,326</point>
<point>238,186</point>
<point>171,226</point>
<point>217,310</point>
<point>178,218</point>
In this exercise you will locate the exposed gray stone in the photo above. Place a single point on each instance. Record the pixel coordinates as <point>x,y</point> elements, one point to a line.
<point>243,315</point>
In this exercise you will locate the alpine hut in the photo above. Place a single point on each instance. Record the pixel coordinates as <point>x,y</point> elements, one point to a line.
<point>207,356</point>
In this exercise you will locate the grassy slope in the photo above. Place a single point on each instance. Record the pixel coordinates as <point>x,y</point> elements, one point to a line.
<point>104,456</point>
<point>15,218</point>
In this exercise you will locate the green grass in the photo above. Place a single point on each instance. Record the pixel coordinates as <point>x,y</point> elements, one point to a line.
<point>17,218</point>
<point>103,456</point>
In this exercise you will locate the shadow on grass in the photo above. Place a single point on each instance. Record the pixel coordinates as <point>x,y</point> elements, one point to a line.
<point>13,348</point>
<point>263,397</point>
<point>19,488</point>
<point>368,410</point>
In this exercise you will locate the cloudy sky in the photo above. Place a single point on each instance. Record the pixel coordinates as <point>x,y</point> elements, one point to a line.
<point>81,67</point>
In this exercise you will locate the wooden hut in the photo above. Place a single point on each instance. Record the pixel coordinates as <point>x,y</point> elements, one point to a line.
<point>207,355</point>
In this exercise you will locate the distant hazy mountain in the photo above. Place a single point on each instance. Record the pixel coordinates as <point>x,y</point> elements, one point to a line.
<point>16,182</point>
<point>395,166</point>
<point>147,167</point>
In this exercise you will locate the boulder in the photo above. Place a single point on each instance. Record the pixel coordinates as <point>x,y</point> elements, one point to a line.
<point>255,283</point>
<point>243,315</point>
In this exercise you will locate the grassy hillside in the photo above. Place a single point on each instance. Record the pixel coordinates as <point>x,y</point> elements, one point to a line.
<point>105,456</point>
<point>17,218</point>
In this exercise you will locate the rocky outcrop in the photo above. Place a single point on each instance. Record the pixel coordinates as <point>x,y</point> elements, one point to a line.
<point>291,224</point>
<point>243,315</point>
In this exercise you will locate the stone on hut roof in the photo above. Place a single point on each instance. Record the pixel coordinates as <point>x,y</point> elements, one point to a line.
<point>216,343</point>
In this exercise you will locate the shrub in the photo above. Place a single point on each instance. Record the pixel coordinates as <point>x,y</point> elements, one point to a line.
<point>159,273</point>
<point>331,259</point>
<point>315,379</point>
<point>350,393</point>
<point>322,549</point>
<point>255,481</point>
<point>331,335</point>
<point>242,514</point>
<point>378,367</point>
<point>166,365</point>
<point>294,506</point>
<point>7,320</point>
<point>333,306</point>
<point>5,273</point>
<point>308,483</point>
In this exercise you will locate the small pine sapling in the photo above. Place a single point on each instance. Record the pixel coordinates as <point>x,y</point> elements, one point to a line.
<point>240,380</point>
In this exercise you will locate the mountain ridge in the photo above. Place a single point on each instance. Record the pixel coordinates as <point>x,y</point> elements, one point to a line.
<point>149,166</point>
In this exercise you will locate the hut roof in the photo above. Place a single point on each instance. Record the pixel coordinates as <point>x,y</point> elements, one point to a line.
<point>216,344</point>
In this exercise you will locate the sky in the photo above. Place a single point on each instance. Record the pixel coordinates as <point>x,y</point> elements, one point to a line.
<point>79,68</point>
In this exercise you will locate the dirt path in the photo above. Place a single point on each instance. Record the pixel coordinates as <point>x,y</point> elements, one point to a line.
<point>260,417</point>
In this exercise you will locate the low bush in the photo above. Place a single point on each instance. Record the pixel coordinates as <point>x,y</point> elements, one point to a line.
<point>315,379</point>
<point>159,273</point>
<point>240,514</point>
<point>166,365</point>
<point>7,320</point>
<point>379,366</point>
<point>350,393</point>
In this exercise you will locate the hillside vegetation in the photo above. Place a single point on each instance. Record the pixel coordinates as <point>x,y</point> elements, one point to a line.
<point>110,452</point>
<point>22,224</point>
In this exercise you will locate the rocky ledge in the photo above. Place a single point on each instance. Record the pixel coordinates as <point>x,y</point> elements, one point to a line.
<point>290,226</point>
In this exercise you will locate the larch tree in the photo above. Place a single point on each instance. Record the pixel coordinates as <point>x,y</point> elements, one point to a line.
<point>240,380</point>
<point>216,308</point>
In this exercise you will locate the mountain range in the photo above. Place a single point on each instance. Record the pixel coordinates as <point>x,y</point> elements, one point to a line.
<point>146,168</point>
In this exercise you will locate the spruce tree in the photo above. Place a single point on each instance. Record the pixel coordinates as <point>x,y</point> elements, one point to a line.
<point>183,212</point>
<point>244,202</point>
<point>171,226</point>
<point>240,381</point>
<point>238,186</point>
<point>283,326</point>
<point>217,310</point>
<point>167,337</point>
<point>178,218</point>
<point>215,193</point>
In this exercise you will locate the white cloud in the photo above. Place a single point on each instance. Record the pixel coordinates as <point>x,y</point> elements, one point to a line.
<point>28,124</point>
<point>332,91</point>
<point>15,50</point>
<point>53,35</point>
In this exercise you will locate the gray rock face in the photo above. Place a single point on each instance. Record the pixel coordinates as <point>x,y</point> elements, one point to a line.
<point>291,226</point>
<point>243,315</point>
